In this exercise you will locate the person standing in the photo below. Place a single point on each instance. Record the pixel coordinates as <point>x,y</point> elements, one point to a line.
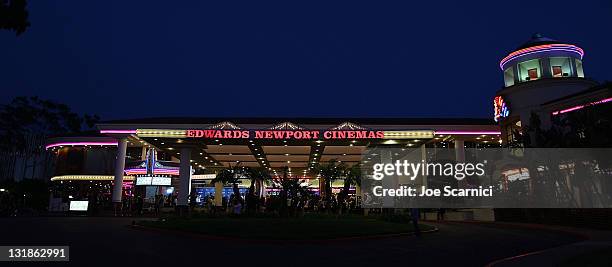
<point>156,204</point>
<point>440,214</point>
<point>414,217</point>
<point>192,201</point>
<point>139,204</point>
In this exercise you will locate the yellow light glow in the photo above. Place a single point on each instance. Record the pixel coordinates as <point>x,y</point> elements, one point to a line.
<point>412,134</point>
<point>203,176</point>
<point>169,133</point>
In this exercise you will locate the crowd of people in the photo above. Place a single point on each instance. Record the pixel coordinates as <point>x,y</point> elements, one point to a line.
<point>238,204</point>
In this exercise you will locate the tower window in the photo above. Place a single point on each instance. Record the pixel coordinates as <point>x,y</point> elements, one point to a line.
<point>509,77</point>
<point>533,74</point>
<point>529,70</point>
<point>557,71</point>
<point>579,70</point>
<point>561,66</point>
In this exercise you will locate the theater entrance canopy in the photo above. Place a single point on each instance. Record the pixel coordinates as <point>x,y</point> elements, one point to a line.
<point>297,144</point>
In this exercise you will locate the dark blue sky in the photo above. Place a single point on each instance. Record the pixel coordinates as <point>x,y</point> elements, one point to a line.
<point>127,59</point>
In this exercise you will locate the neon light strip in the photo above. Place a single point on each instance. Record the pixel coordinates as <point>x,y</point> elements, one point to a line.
<point>470,132</point>
<point>81,144</point>
<point>582,106</point>
<point>541,48</point>
<point>88,178</point>
<point>502,65</point>
<point>144,170</point>
<point>118,131</point>
<point>156,171</point>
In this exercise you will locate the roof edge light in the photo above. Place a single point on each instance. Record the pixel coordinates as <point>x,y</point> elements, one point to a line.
<point>468,132</point>
<point>81,144</point>
<point>541,49</point>
<point>92,177</point>
<point>118,131</point>
<point>606,100</point>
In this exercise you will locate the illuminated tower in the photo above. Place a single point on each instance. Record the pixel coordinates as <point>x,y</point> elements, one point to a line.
<point>539,71</point>
<point>542,57</point>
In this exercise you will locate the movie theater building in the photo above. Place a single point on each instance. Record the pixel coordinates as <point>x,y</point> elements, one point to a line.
<point>178,155</point>
<point>542,77</point>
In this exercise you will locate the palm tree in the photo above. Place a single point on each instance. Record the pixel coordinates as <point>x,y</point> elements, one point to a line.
<point>230,175</point>
<point>257,176</point>
<point>329,172</point>
<point>226,176</point>
<point>291,188</point>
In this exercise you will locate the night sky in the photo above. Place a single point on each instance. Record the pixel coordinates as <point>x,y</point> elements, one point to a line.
<point>131,59</point>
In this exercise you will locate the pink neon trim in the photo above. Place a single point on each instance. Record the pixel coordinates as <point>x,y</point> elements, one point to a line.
<point>155,171</point>
<point>582,106</point>
<point>82,144</point>
<point>539,49</point>
<point>469,132</point>
<point>503,65</point>
<point>118,131</point>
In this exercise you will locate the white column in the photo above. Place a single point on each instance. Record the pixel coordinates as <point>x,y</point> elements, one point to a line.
<point>119,169</point>
<point>460,157</point>
<point>389,182</point>
<point>184,177</point>
<point>218,194</point>
<point>143,153</point>
<point>459,150</point>
<point>264,190</point>
<point>423,149</point>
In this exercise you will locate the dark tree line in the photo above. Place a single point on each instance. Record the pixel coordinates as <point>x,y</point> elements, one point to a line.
<point>25,125</point>
<point>14,16</point>
<point>25,117</point>
<point>588,127</point>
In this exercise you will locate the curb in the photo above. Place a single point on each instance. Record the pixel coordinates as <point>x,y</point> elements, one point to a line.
<point>542,227</point>
<point>495,262</point>
<point>248,240</point>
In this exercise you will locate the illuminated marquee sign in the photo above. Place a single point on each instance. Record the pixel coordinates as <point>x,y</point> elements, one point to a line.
<point>286,134</point>
<point>500,108</point>
<point>153,180</point>
<point>218,133</point>
<point>79,205</point>
<point>272,134</point>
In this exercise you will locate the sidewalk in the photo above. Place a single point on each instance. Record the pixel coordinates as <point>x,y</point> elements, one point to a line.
<point>593,240</point>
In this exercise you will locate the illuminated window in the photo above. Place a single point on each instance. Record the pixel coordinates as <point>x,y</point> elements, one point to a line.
<point>557,71</point>
<point>561,66</point>
<point>509,77</point>
<point>529,70</point>
<point>532,74</point>
<point>579,70</point>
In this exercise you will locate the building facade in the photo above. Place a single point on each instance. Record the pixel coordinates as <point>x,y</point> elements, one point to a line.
<point>178,156</point>
<point>544,82</point>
